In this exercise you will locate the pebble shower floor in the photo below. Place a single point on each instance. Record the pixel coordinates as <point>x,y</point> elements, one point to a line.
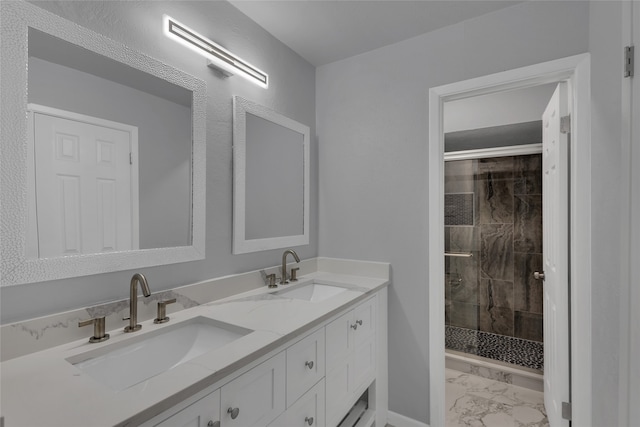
<point>497,347</point>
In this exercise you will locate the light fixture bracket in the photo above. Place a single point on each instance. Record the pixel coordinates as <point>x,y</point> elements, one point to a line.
<point>225,73</point>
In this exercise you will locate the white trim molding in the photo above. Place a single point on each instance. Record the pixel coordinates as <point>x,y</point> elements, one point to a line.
<point>575,69</point>
<point>513,150</point>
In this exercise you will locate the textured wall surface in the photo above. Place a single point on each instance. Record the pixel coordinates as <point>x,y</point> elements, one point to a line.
<point>138,24</point>
<point>372,136</point>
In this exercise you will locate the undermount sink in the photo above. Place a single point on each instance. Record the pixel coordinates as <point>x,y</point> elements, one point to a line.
<point>122,365</point>
<point>313,292</point>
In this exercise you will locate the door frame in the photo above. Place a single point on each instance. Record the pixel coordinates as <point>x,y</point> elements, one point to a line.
<point>576,69</point>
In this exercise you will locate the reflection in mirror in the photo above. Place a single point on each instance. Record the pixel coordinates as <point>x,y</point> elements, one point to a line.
<point>103,157</point>
<point>108,153</point>
<point>271,179</point>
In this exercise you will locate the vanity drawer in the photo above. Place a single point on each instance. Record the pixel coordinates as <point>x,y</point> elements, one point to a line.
<point>306,411</point>
<point>305,365</point>
<point>203,413</point>
<point>256,397</point>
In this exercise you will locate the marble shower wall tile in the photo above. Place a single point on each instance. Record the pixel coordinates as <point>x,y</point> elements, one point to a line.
<point>495,190</point>
<point>528,326</point>
<point>459,176</point>
<point>497,320</point>
<point>527,291</point>
<point>528,174</point>
<point>527,224</point>
<point>464,239</point>
<point>463,279</point>
<point>496,306</point>
<point>495,293</point>
<point>463,315</point>
<point>496,251</point>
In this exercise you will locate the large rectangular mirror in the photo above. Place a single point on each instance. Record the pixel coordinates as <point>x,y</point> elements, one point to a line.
<point>103,153</point>
<point>271,179</point>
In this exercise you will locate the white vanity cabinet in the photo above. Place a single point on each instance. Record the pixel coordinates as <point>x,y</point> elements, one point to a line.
<point>313,381</point>
<point>351,358</point>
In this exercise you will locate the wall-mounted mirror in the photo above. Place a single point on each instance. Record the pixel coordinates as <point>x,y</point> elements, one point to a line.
<point>270,179</point>
<point>103,153</point>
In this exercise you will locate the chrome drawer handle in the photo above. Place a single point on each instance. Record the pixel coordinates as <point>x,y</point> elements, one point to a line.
<point>234,412</point>
<point>308,420</point>
<point>354,326</point>
<point>309,364</point>
<point>359,322</point>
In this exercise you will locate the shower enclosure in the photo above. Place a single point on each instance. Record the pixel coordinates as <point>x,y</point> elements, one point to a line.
<point>493,244</point>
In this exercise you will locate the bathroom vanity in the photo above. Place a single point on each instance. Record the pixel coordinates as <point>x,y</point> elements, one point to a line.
<point>301,354</point>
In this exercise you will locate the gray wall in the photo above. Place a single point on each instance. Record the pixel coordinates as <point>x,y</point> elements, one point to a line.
<point>291,92</point>
<point>372,117</point>
<point>164,142</point>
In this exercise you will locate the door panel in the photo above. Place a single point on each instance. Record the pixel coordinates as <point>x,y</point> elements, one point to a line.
<point>83,187</point>
<point>555,164</point>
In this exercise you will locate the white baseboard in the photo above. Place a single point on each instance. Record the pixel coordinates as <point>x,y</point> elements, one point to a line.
<point>397,420</point>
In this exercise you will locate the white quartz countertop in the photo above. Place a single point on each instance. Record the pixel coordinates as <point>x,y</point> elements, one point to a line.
<point>44,389</point>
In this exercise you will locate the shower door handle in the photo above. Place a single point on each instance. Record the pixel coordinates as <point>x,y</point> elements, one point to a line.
<point>538,275</point>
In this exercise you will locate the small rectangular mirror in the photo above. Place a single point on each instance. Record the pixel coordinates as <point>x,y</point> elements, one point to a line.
<point>271,179</point>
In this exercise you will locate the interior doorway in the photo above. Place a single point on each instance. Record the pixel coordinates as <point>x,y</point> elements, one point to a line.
<point>574,71</point>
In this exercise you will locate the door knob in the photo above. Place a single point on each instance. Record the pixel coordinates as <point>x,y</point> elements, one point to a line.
<point>309,420</point>
<point>309,364</point>
<point>538,275</point>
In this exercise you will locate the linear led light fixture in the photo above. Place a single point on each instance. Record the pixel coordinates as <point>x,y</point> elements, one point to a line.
<point>218,57</point>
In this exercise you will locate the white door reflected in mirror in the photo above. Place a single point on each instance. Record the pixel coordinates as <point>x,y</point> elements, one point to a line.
<point>85,198</point>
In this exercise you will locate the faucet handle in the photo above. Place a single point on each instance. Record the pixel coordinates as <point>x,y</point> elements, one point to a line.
<point>271,280</point>
<point>98,329</point>
<point>162,311</point>
<point>294,275</point>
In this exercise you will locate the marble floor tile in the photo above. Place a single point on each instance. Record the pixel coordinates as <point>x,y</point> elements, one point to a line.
<point>474,401</point>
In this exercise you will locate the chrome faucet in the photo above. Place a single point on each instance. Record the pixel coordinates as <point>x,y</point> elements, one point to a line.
<point>283,279</point>
<point>133,303</point>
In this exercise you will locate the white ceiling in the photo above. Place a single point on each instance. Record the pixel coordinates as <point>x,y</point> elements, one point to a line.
<point>324,31</point>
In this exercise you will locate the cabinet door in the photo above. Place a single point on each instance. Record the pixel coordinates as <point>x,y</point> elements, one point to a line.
<point>256,397</point>
<point>364,364</point>
<point>305,365</point>
<point>308,411</point>
<point>364,321</point>
<point>338,341</point>
<point>203,413</point>
<point>339,393</point>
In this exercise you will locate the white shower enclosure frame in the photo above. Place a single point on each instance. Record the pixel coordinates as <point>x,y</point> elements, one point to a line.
<point>577,70</point>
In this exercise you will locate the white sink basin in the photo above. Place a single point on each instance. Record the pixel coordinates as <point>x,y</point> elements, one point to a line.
<point>122,365</point>
<point>314,292</point>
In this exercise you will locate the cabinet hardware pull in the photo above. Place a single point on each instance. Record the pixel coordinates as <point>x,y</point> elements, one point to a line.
<point>234,412</point>
<point>213,424</point>
<point>354,326</point>
<point>309,364</point>
<point>308,420</point>
<point>359,322</point>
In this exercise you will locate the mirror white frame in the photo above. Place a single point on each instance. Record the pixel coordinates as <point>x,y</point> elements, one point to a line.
<point>242,107</point>
<point>16,268</point>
